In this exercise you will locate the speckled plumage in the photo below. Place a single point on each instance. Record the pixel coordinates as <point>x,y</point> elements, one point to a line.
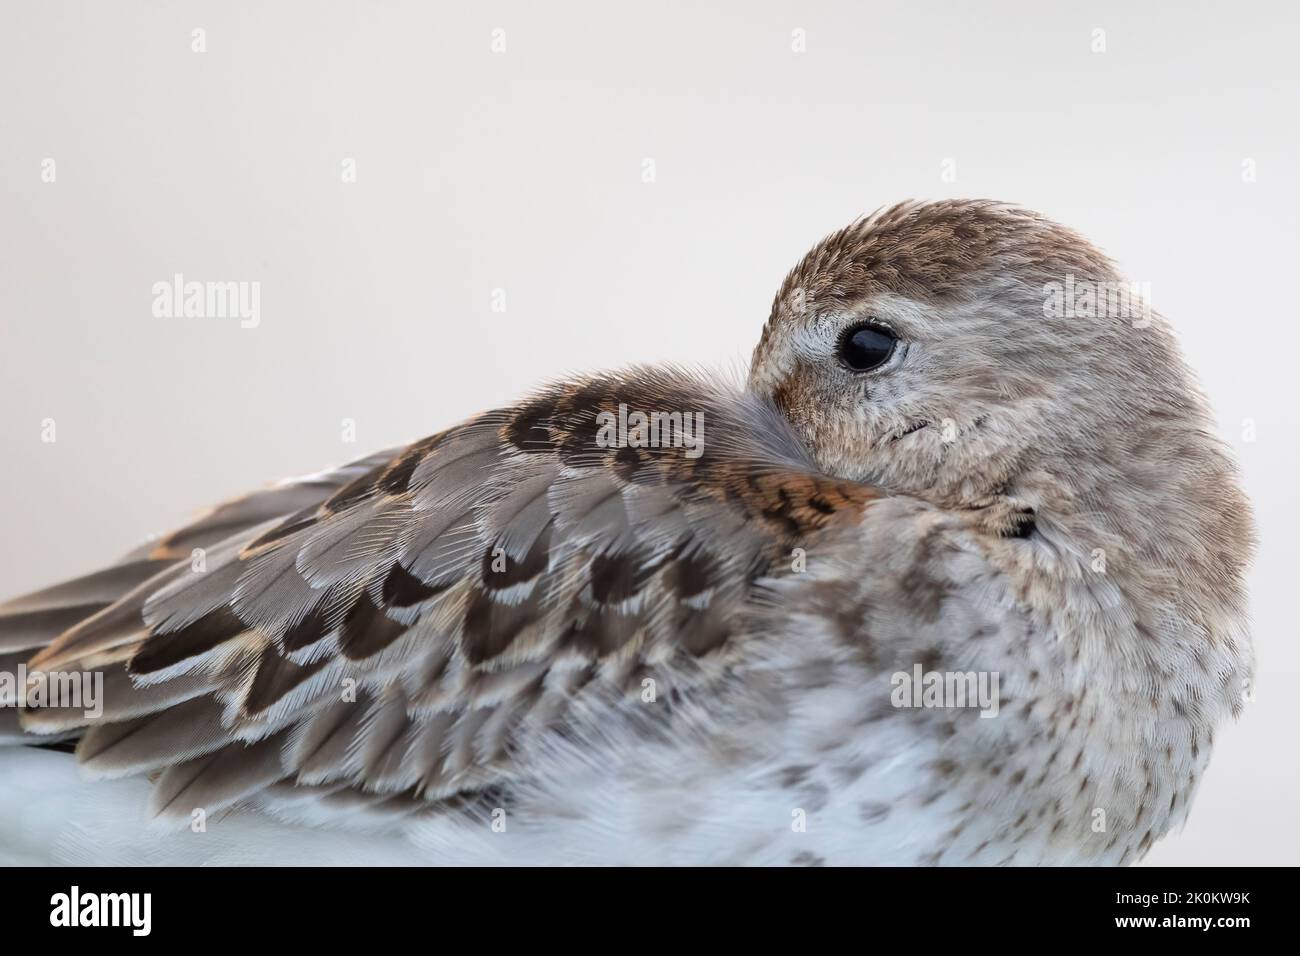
<point>634,655</point>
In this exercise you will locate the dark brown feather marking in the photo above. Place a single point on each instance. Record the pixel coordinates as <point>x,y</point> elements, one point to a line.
<point>275,677</point>
<point>294,523</point>
<point>490,626</point>
<point>166,648</point>
<point>529,429</point>
<point>693,573</point>
<point>367,630</point>
<point>702,631</point>
<point>601,631</point>
<point>396,479</point>
<point>512,572</point>
<point>313,626</point>
<point>357,489</point>
<point>403,589</point>
<point>617,577</point>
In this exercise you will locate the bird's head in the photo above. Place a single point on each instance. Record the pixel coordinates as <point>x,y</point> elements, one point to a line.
<point>968,351</point>
<point>952,349</point>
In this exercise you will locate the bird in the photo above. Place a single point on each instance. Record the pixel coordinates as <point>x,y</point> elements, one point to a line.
<point>655,616</point>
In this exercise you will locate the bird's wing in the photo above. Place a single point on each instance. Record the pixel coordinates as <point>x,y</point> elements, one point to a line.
<point>389,630</point>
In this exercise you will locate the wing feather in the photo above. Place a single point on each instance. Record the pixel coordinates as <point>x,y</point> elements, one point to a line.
<point>410,625</point>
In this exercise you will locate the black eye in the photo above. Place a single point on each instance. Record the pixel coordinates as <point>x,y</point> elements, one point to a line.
<point>865,347</point>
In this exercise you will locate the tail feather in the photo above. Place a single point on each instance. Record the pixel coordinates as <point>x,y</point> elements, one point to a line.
<point>99,588</point>
<point>87,622</point>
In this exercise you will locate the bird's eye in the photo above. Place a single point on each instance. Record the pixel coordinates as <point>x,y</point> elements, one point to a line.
<point>865,347</point>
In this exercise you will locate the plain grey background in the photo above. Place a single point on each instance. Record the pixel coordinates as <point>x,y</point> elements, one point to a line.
<point>520,175</point>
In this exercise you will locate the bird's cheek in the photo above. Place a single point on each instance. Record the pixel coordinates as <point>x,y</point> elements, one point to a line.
<point>781,397</point>
<point>793,399</point>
